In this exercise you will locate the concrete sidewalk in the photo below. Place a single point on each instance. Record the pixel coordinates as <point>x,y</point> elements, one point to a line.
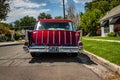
<point>10,43</point>
<point>118,41</point>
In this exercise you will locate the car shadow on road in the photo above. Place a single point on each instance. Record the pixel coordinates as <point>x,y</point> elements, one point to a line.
<point>51,58</point>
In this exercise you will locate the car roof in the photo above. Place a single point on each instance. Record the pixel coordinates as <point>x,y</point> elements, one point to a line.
<point>54,20</point>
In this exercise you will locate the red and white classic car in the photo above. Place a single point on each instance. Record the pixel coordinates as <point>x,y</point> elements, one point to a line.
<point>53,36</point>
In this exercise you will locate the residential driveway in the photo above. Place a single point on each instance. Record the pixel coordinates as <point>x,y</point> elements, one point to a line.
<point>15,64</point>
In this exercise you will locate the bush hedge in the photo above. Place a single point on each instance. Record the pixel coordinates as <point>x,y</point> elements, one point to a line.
<point>111,34</point>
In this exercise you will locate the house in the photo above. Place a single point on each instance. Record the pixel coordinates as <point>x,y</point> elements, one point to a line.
<point>111,22</point>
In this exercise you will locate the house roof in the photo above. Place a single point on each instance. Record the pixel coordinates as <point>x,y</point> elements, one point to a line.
<point>112,13</point>
<point>115,20</point>
<point>105,23</point>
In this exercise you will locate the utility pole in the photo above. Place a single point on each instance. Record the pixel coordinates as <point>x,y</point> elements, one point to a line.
<point>64,8</point>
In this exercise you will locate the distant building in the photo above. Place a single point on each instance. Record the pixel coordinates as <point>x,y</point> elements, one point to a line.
<point>111,22</point>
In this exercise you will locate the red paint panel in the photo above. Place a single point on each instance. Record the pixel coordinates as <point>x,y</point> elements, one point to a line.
<point>73,38</point>
<point>56,37</point>
<point>77,34</point>
<point>67,37</point>
<point>50,38</point>
<point>45,37</point>
<point>62,38</point>
<point>33,36</point>
<point>39,38</point>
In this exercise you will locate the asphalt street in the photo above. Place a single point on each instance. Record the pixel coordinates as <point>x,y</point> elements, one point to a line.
<point>15,64</point>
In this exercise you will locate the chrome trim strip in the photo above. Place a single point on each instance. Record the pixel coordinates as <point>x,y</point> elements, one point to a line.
<point>42,38</point>
<point>53,37</point>
<point>37,47</point>
<point>59,37</point>
<point>76,38</point>
<point>66,47</point>
<point>48,37</point>
<point>36,37</point>
<point>62,49</point>
<point>70,37</point>
<point>65,37</point>
<point>80,36</point>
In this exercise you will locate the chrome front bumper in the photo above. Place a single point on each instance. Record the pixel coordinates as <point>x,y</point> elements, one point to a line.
<point>55,49</point>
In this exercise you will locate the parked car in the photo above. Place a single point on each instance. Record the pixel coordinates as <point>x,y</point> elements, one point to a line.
<point>53,36</point>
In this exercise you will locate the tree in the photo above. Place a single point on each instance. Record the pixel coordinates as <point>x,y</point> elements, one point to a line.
<point>17,25</point>
<point>4,29</point>
<point>58,17</point>
<point>90,21</point>
<point>102,5</point>
<point>4,9</point>
<point>4,32</point>
<point>94,11</point>
<point>27,22</point>
<point>44,15</point>
<point>73,15</point>
<point>48,16</point>
<point>114,3</point>
<point>71,11</point>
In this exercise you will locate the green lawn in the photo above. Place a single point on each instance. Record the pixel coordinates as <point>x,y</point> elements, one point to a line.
<point>106,38</point>
<point>107,50</point>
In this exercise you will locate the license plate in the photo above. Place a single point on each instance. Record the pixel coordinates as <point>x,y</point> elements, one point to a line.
<point>53,49</point>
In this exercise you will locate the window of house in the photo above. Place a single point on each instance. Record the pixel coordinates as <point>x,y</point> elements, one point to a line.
<point>106,30</point>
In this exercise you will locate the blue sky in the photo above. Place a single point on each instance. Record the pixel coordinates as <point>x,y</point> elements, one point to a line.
<point>21,8</point>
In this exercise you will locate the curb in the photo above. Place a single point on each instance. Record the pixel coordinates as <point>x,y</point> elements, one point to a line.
<point>115,68</point>
<point>11,43</point>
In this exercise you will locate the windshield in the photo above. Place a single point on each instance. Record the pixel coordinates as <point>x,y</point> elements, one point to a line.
<point>54,26</point>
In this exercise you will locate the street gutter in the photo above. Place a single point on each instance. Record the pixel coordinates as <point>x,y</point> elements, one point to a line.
<point>10,43</point>
<point>113,67</point>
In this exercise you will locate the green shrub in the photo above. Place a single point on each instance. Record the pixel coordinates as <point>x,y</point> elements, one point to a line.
<point>111,34</point>
<point>17,36</point>
<point>7,38</point>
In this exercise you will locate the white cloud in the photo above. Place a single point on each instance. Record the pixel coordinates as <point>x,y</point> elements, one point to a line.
<point>19,13</point>
<point>82,1</point>
<point>21,8</point>
<point>58,1</point>
<point>25,4</point>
